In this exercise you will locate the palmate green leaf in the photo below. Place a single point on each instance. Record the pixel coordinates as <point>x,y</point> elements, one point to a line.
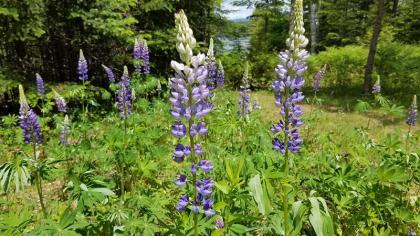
<point>51,228</point>
<point>13,223</point>
<point>15,173</point>
<point>382,100</point>
<point>391,174</point>
<point>362,106</point>
<point>393,110</point>
<point>382,232</point>
<point>240,229</point>
<point>10,120</point>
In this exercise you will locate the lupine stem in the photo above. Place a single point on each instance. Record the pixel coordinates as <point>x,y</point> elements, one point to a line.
<point>286,168</point>
<point>192,143</point>
<point>83,96</point>
<point>408,139</point>
<point>124,157</point>
<point>42,107</point>
<point>38,182</point>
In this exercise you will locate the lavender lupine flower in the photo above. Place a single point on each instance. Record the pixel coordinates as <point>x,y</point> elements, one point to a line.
<point>411,232</point>
<point>220,79</point>
<point>189,99</point>
<point>141,56</point>
<point>179,130</point>
<point>137,53</point>
<point>288,85</point>
<point>244,96</point>
<point>376,89</point>
<point>199,128</point>
<point>124,95</point>
<point>82,67</point>
<point>205,165</point>
<point>182,180</point>
<point>207,207</point>
<point>412,113</point>
<point>40,86</point>
<point>256,105</point>
<point>146,58</point>
<point>65,131</point>
<point>183,202</point>
<point>211,67</point>
<point>318,77</point>
<point>220,224</point>
<point>60,102</point>
<point>109,74</point>
<point>28,121</point>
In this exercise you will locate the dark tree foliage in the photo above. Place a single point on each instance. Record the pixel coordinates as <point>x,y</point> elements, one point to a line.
<point>45,36</point>
<point>268,31</point>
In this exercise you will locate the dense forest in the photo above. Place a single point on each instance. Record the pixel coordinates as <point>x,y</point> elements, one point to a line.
<point>42,36</point>
<point>121,103</point>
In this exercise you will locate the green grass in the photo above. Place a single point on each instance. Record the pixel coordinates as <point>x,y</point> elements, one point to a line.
<point>339,118</point>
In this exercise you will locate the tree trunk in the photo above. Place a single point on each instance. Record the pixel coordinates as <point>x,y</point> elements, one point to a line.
<point>395,7</point>
<point>266,8</point>
<point>314,24</point>
<point>373,45</point>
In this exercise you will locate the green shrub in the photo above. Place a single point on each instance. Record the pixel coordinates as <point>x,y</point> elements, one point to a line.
<point>397,65</point>
<point>345,66</point>
<point>263,68</point>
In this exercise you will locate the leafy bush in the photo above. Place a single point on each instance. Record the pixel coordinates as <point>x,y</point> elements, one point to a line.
<point>395,63</point>
<point>345,66</point>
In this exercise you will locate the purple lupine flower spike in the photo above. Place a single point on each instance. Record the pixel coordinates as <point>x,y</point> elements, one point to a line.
<point>220,75</point>
<point>60,102</point>
<point>376,89</point>
<point>412,113</point>
<point>244,96</point>
<point>137,54</point>
<point>182,202</point>
<point>189,99</point>
<point>256,105</point>
<point>318,77</point>
<point>124,95</point>
<point>65,132</point>
<point>40,86</point>
<point>220,224</point>
<point>288,84</point>
<point>141,56</point>
<point>109,74</point>
<point>211,67</point>
<point>146,58</point>
<point>28,121</point>
<point>82,67</point>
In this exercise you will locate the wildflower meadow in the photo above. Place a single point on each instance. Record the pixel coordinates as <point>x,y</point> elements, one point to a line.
<point>150,117</point>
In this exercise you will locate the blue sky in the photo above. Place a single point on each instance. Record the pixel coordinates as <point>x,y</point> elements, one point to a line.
<point>239,13</point>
